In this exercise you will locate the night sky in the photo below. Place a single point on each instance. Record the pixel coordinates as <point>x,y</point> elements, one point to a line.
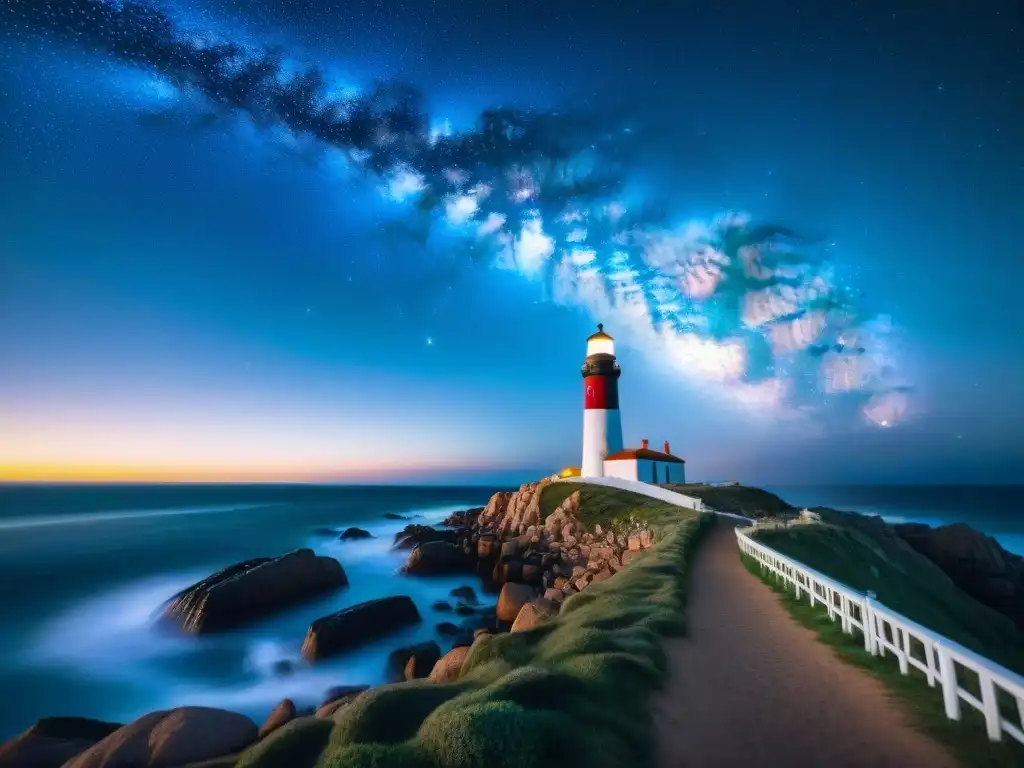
<point>313,240</point>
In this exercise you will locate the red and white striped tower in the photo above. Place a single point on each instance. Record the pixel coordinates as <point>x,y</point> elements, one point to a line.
<point>602,425</point>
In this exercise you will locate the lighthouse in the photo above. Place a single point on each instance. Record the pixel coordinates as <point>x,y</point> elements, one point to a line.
<point>602,425</point>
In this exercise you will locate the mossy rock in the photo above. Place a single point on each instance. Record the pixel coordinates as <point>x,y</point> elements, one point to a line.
<point>493,734</point>
<point>391,713</point>
<point>296,744</point>
<point>406,755</point>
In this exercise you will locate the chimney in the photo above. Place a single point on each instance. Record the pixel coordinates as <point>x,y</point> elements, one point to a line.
<point>667,449</point>
<point>643,444</point>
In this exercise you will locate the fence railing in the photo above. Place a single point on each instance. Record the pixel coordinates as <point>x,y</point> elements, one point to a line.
<point>886,631</point>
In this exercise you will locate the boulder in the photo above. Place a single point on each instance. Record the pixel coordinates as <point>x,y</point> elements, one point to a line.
<point>601,575</point>
<point>634,543</point>
<point>414,535</point>
<point>447,628</point>
<point>488,547</point>
<point>464,610</point>
<point>628,557</point>
<point>283,713</point>
<point>976,563</point>
<point>465,594</point>
<point>437,557</point>
<point>394,516</point>
<point>511,600</point>
<point>169,738</point>
<point>534,613</point>
<point>53,741</point>
<point>554,595</point>
<point>463,519</point>
<point>337,697</point>
<point>414,661</point>
<point>442,605</point>
<point>646,539</point>
<point>355,533</point>
<point>252,589</point>
<point>357,625</point>
<point>448,667</point>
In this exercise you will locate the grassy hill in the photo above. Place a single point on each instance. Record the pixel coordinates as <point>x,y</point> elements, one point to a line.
<point>610,507</point>
<point>864,553</point>
<point>738,499</point>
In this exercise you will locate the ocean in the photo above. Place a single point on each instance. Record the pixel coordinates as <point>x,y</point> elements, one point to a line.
<point>84,568</point>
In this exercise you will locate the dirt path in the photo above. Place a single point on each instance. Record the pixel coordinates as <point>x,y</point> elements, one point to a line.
<point>751,687</point>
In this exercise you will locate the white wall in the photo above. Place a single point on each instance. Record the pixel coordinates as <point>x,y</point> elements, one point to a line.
<point>651,471</point>
<point>624,469</point>
<point>644,489</point>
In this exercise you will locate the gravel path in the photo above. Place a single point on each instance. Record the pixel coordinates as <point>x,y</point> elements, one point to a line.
<point>751,687</point>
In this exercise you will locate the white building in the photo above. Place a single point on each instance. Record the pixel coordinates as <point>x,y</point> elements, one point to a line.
<point>645,465</point>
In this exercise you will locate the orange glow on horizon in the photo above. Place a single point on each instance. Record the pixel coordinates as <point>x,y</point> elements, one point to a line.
<point>111,473</point>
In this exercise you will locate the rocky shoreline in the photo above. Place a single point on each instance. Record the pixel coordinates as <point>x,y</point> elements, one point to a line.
<point>528,561</point>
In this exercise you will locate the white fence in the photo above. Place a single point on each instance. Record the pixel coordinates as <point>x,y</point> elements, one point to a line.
<point>885,631</point>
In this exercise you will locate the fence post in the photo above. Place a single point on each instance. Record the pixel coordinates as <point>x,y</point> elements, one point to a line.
<point>947,671</point>
<point>870,643</point>
<point>990,706</point>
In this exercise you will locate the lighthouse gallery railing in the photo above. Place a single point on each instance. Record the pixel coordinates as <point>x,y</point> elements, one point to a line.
<point>885,630</point>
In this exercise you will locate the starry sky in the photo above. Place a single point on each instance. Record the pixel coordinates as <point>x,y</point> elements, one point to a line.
<point>366,241</point>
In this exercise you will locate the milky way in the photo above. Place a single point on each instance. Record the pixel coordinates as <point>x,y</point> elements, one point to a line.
<point>734,306</point>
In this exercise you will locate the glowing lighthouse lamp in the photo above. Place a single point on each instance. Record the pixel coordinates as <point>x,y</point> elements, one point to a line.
<point>602,424</point>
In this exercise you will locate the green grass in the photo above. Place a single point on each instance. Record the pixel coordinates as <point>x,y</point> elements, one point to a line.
<point>966,739</point>
<point>573,691</point>
<point>738,499</point>
<point>613,508</point>
<point>868,556</point>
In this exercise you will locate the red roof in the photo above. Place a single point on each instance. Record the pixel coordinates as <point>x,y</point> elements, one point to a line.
<point>643,453</point>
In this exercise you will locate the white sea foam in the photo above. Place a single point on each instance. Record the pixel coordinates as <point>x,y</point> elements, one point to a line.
<point>107,635</point>
<point>15,523</point>
<point>111,636</point>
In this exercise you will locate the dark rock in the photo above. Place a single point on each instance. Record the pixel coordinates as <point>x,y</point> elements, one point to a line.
<point>283,713</point>
<point>249,590</point>
<point>441,605</point>
<point>169,738</point>
<point>355,533</point>
<point>415,534</point>
<point>447,628</point>
<point>284,667</point>
<point>357,625</point>
<point>53,741</point>
<point>437,557</point>
<point>465,594</point>
<point>488,546</point>
<point>464,610</point>
<point>976,563</point>
<point>463,519</point>
<point>413,662</point>
<point>508,570</point>
<point>394,516</point>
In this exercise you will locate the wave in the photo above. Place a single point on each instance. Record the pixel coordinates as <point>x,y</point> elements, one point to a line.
<point>20,523</point>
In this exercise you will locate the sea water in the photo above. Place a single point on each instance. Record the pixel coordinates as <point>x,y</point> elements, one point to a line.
<point>84,569</point>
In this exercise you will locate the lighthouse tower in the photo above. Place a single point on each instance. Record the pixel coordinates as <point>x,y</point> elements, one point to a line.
<point>602,426</point>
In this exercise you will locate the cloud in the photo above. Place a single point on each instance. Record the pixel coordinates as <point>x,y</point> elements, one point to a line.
<point>730,305</point>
